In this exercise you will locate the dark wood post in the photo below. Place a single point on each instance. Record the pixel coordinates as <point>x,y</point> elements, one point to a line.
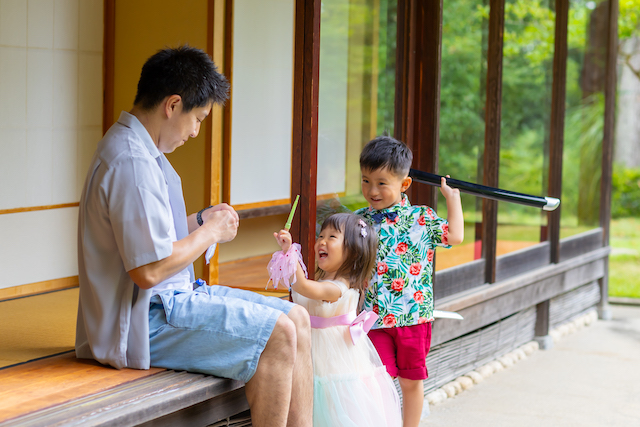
<point>305,124</point>
<point>418,88</point>
<point>556,137</point>
<point>492,136</point>
<point>604,311</point>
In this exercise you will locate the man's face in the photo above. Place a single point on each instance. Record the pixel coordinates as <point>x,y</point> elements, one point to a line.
<point>181,126</point>
<point>383,188</point>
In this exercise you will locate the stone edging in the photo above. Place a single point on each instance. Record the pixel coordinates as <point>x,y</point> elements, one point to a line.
<point>476,376</point>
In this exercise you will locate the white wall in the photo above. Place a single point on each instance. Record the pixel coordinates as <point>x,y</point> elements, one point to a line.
<point>50,123</point>
<point>262,92</point>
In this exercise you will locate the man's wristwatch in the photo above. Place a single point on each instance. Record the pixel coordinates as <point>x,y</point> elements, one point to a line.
<point>199,215</point>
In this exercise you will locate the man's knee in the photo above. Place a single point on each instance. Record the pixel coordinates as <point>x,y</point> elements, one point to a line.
<point>300,317</point>
<point>283,339</point>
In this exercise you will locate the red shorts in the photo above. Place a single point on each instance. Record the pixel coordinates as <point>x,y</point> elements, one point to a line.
<point>403,350</point>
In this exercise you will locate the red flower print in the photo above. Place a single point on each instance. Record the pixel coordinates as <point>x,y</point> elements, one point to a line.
<point>418,297</point>
<point>397,285</point>
<point>389,321</point>
<point>392,221</point>
<point>421,220</point>
<point>376,309</point>
<point>431,214</point>
<point>415,268</point>
<point>445,234</point>
<point>382,268</point>
<point>422,320</point>
<point>430,255</point>
<point>401,248</point>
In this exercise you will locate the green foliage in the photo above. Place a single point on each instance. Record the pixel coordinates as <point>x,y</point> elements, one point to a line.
<point>625,192</point>
<point>624,261</point>
<point>628,19</point>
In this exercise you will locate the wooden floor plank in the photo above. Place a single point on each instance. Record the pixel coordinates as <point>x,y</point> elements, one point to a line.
<point>44,383</point>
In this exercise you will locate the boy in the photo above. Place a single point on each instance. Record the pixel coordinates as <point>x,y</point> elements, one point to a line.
<point>401,291</point>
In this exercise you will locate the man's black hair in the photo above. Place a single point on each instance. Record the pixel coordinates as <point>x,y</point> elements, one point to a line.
<point>386,152</point>
<point>185,71</point>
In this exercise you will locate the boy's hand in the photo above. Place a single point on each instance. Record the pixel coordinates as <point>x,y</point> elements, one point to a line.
<point>446,190</point>
<point>284,240</point>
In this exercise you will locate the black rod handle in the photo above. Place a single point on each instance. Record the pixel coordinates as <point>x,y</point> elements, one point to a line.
<point>546,203</point>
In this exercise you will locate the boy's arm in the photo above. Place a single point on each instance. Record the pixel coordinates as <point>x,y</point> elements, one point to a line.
<point>454,213</point>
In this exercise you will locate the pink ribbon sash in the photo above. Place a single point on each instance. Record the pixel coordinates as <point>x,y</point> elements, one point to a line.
<point>358,325</point>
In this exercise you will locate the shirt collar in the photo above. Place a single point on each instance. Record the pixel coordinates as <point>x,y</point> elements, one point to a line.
<point>132,122</point>
<point>402,204</point>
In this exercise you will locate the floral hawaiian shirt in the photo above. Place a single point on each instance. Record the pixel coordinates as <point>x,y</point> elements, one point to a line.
<point>401,289</point>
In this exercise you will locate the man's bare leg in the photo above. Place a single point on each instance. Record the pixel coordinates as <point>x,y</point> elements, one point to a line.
<point>301,408</point>
<point>269,390</point>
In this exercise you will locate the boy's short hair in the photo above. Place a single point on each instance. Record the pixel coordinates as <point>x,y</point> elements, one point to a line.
<point>386,152</point>
<point>185,71</point>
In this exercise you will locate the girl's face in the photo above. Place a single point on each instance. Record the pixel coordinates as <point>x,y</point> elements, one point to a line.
<point>330,253</point>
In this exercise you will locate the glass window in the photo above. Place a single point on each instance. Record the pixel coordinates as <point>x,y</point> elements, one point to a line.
<point>356,94</point>
<point>524,132</point>
<point>462,100</point>
<point>584,117</point>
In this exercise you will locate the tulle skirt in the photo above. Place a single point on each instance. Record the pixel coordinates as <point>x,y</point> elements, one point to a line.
<point>351,385</point>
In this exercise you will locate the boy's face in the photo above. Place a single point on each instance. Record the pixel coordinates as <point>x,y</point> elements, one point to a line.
<point>383,188</point>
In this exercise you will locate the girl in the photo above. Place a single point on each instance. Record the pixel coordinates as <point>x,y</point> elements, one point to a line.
<point>351,385</point>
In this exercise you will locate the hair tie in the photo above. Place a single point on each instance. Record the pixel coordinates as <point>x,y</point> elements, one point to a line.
<point>363,230</point>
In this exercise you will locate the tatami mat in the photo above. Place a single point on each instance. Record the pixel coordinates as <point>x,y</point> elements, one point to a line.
<point>37,326</point>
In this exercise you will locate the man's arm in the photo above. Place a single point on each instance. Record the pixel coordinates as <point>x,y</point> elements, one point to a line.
<point>219,226</point>
<point>192,221</point>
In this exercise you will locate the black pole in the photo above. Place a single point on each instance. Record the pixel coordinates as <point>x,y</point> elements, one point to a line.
<point>546,203</point>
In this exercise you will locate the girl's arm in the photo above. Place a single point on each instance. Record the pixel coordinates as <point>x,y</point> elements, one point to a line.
<point>454,213</point>
<point>322,291</point>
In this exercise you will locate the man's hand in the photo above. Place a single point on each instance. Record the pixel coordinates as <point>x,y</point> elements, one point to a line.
<point>222,221</point>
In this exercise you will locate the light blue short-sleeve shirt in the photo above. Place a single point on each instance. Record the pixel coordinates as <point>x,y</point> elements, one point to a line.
<point>125,221</point>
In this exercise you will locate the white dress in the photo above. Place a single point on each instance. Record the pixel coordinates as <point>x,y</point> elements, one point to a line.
<point>351,385</point>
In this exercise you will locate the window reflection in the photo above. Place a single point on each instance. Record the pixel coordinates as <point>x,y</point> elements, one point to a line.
<point>584,117</point>
<point>462,100</point>
<point>356,94</point>
<point>524,132</point>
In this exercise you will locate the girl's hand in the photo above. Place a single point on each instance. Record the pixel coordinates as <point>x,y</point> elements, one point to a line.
<point>284,240</point>
<point>446,190</point>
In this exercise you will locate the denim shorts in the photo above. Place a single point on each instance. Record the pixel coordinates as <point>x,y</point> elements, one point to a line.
<point>213,330</point>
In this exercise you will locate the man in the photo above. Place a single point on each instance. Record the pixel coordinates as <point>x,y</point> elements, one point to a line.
<point>138,306</point>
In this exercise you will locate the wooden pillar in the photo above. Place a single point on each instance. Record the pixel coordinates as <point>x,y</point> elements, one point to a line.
<point>418,88</point>
<point>604,311</point>
<point>542,326</point>
<point>492,136</point>
<point>556,137</point>
<point>216,48</point>
<point>108,56</point>
<point>305,124</point>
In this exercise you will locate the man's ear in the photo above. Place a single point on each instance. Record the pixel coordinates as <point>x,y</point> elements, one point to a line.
<point>171,104</point>
<point>406,183</point>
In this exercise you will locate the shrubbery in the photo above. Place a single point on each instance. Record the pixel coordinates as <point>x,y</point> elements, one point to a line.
<point>625,197</point>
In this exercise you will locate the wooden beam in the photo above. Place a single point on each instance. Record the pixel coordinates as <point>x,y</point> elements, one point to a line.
<point>418,80</point>
<point>492,136</point>
<point>305,124</point>
<point>604,312</point>
<point>556,137</point>
<point>108,58</point>
<point>226,115</point>
<point>214,125</point>
<point>609,121</point>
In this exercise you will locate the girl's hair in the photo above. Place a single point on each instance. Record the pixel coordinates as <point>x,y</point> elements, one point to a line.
<point>360,246</point>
